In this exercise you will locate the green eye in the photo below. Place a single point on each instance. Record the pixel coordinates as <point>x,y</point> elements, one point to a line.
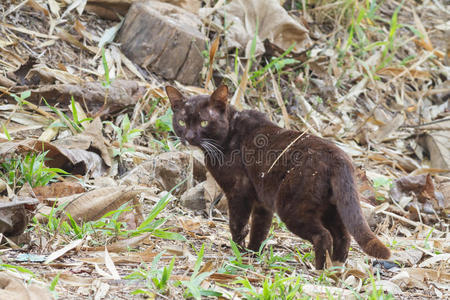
<point>204,123</point>
<point>182,123</point>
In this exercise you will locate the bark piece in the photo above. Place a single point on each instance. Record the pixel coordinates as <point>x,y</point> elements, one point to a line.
<point>164,39</point>
<point>98,98</point>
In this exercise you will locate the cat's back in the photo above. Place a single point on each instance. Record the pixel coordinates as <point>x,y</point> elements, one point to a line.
<point>264,138</point>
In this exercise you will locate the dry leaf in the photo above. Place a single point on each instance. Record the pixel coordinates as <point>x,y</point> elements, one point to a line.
<point>124,245</point>
<point>392,71</point>
<point>13,288</point>
<point>91,139</point>
<point>94,204</point>
<point>46,75</point>
<point>72,245</point>
<point>14,216</point>
<point>385,285</point>
<point>437,143</point>
<point>384,132</point>
<point>408,257</point>
<point>212,53</point>
<point>423,188</point>
<point>58,190</point>
<point>190,225</point>
<point>268,18</point>
<point>73,161</point>
<point>110,265</point>
<point>445,257</point>
<point>321,291</point>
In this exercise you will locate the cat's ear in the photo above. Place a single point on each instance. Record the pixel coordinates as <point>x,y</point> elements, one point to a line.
<point>175,97</point>
<point>220,95</point>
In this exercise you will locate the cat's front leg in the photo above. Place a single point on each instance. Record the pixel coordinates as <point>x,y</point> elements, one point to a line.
<point>239,209</point>
<point>261,222</point>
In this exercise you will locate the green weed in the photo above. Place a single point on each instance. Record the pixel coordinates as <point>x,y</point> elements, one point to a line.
<point>19,269</point>
<point>53,284</point>
<point>21,99</point>
<point>308,256</point>
<point>193,286</point>
<point>155,278</point>
<point>29,168</point>
<point>274,261</point>
<point>382,182</point>
<point>377,293</point>
<point>107,82</point>
<point>235,264</point>
<point>74,124</point>
<point>124,135</point>
<point>109,225</point>
<point>6,133</point>
<point>164,123</point>
<point>276,288</point>
<point>277,62</point>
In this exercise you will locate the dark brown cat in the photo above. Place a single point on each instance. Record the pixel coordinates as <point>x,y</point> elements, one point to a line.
<point>263,169</point>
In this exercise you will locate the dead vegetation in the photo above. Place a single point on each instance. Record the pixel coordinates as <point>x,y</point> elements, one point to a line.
<point>99,199</point>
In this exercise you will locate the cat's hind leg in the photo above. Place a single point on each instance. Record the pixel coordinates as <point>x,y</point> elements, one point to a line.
<point>260,225</point>
<point>341,238</point>
<point>311,229</point>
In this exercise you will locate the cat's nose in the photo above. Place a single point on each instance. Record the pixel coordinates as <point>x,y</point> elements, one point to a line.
<point>189,136</point>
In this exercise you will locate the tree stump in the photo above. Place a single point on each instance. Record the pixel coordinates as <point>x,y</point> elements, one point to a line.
<point>164,39</point>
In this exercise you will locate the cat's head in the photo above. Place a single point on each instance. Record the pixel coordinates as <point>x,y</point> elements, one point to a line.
<point>200,120</point>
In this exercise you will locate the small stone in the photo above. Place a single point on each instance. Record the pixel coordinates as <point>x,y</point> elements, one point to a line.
<point>194,198</point>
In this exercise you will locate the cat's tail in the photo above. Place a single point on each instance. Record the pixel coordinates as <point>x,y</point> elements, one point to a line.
<point>347,202</point>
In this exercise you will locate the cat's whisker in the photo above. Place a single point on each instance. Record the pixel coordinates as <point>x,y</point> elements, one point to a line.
<point>209,152</point>
<point>218,154</point>
<point>211,141</point>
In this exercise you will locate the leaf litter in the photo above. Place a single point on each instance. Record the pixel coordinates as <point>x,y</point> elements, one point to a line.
<point>373,77</point>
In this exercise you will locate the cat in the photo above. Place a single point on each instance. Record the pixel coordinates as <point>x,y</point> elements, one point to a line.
<point>265,169</point>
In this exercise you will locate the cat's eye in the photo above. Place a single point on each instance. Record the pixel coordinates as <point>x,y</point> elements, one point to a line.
<point>204,123</point>
<point>182,123</point>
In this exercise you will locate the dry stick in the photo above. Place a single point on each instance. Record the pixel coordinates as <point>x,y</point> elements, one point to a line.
<point>249,271</point>
<point>286,149</point>
<point>139,106</point>
<point>326,6</point>
<point>13,9</point>
<point>416,64</point>
<point>436,91</point>
<point>416,224</point>
<point>29,32</point>
<point>30,105</point>
<point>426,124</point>
<point>241,88</point>
<point>280,100</point>
<point>136,147</point>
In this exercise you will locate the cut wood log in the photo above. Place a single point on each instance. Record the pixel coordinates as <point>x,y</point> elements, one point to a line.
<point>113,9</point>
<point>164,39</point>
